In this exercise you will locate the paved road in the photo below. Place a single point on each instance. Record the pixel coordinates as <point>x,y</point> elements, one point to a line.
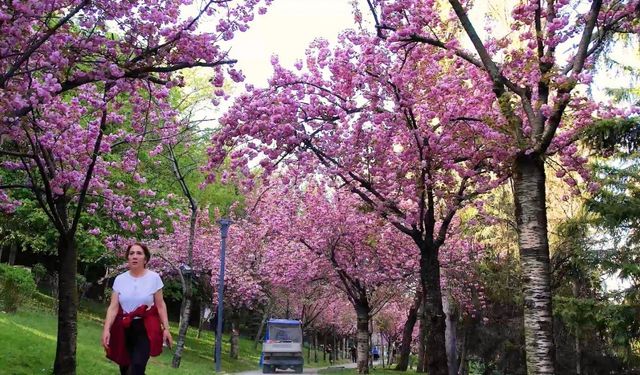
<point>308,370</point>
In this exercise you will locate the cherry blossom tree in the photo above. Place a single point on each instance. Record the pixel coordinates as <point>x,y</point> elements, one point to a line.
<point>244,281</point>
<point>538,66</point>
<point>397,127</point>
<point>323,233</point>
<point>81,80</point>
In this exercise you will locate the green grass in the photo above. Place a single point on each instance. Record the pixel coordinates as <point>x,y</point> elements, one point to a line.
<point>29,344</point>
<point>375,370</point>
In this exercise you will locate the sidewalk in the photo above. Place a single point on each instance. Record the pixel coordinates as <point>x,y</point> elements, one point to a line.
<point>307,370</point>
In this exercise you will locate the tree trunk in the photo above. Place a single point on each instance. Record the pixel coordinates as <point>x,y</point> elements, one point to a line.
<point>187,290</point>
<point>370,343</point>
<point>335,349</point>
<point>204,317</point>
<point>434,315</point>
<point>315,347</point>
<point>463,365</point>
<point>65,361</point>
<point>531,218</point>
<point>200,320</point>
<point>407,333</point>
<point>263,323</point>
<point>235,337</point>
<point>578,348</point>
<point>388,354</point>
<point>324,346</point>
<point>12,253</point>
<point>362,337</point>
<point>422,338</point>
<point>450,334</point>
<point>382,350</point>
<point>184,322</point>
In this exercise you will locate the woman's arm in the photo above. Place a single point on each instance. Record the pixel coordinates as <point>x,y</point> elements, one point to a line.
<point>158,300</point>
<point>112,311</point>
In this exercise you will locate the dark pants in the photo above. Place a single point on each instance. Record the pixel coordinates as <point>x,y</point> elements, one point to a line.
<point>137,343</point>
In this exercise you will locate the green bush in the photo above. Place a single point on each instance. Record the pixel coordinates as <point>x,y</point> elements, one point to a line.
<point>16,285</point>
<point>38,271</point>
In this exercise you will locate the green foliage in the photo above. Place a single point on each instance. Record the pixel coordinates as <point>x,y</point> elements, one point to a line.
<point>611,135</point>
<point>16,285</point>
<point>617,212</point>
<point>29,227</point>
<point>81,283</point>
<point>172,290</point>
<point>616,323</point>
<point>38,271</point>
<point>617,203</point>
<point>621,94</point>
<point>575,262</point>
<point>500,275</point>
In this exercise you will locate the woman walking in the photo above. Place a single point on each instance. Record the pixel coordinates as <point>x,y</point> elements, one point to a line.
<point>136,324</point>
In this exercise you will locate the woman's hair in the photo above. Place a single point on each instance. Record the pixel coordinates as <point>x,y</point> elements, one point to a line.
<point>147,253</point>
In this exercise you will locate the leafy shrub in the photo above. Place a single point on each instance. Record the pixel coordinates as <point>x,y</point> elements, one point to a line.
<point>38,271</point>
<point>16,285</point>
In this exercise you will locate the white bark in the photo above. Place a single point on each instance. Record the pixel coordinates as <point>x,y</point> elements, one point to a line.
<point>529,185</point>
<point>450,334</point>
<point>362,339</point>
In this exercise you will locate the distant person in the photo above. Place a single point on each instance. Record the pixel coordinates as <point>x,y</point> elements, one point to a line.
<point>329,351</point>
<point>354,354</point>
<point>136,325</point>
<point>376,353</point>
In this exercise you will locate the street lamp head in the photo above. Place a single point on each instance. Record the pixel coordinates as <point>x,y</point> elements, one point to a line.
<point>224,226</point>
<point>186,270</point>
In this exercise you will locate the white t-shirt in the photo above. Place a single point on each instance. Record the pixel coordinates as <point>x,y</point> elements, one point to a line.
<point>136,291</point>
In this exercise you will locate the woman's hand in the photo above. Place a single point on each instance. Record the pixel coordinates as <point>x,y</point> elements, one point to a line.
<point>106,336</point>
<point>112,311</point>
<point>166,337</point>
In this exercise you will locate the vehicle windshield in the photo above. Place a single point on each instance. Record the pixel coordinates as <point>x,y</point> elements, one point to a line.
<point>285,333</point>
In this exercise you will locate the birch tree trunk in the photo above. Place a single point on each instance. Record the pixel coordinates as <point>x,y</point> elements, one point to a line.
<point>531,218</point>
<point>450,334</point>
<point>235,338</point>
<point>362,338</point>
<point>263,323</point>
<point>187,290</point>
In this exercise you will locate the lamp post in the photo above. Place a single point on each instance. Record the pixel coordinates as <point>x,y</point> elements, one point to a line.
<point>224,229</point>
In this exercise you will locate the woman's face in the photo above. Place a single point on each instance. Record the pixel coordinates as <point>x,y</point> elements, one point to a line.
<point>136,257</point>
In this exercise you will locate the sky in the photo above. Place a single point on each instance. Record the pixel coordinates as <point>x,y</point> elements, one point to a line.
<point>291,25</point>
<point>287,30</point>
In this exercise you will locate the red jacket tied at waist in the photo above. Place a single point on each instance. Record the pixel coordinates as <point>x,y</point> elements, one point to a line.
<point>117,351</point>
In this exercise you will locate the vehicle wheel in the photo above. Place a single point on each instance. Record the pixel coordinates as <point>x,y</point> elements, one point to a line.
<point>298,369</point>
<point>267,369</point>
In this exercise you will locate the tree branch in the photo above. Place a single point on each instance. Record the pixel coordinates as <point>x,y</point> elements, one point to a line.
<point>563,93</point>
<point>17,154</point>
<point>94,158</point>
<point>27,54</point>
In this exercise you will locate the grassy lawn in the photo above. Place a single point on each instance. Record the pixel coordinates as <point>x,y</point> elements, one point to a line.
<point>29,344</point>
<point>376,370</point>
